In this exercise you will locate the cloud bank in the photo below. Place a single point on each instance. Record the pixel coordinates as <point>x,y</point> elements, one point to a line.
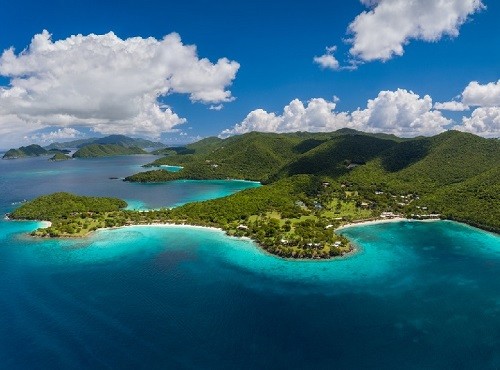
<point>381,32</point>
<point>483,121</point>
<point>59,134</point>
<point>487,95</point>
<point>109,84</point>
<point>485,98</point>
<point>453,106</point>
<point>399,112</point>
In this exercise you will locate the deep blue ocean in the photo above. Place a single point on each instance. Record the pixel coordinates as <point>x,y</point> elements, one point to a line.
<point>416,295</point>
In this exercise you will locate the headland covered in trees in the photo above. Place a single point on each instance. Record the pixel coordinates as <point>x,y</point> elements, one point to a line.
<point>313,183</point>
<point>107,146</point>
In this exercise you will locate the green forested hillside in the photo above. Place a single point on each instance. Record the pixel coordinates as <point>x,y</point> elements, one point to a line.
<point>205,146</point>
<point>333,157</point>
<point>128,142</point>
<point>111,139</point>
<point>252,156</point>
<point>105,150</point>
<point>266,156</point>
<point>31,151</point>
<point>314,183</point>
<point>450,158</point>
<point>61,205</point>
<point>25,151</point>
<point>475,200</point>
<point>439,170</point>
<point>172,151</point>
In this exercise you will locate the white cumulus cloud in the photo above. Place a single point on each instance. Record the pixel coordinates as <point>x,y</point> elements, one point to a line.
<point>59,134</point>
<point>487,95</point>
<point>327,60</point>
<point>483,122</point>
<point>217,107</point>
<point>382,31</point>
<point>454,106</point>
<point>13,130</point>
<point>109,84</point>
<point>400,112</point>
<point>314,116</point>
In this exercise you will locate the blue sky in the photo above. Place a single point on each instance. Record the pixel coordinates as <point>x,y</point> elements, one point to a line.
<point>274,44</point>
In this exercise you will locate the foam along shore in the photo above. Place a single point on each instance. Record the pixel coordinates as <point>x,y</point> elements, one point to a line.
<point>170,225</point>
<point>41,224</point>
<point>383,221</point>
<point>45,224</point>
<point>181,226</point>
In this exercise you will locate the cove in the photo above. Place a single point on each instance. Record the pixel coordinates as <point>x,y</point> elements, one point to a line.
<point>416,294</point>
<point>31,177</point>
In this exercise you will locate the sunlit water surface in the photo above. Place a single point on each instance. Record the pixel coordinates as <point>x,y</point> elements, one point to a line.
<point>415,295</point>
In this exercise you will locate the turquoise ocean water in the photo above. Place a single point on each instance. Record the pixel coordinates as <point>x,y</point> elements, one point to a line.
<point>415,295</point>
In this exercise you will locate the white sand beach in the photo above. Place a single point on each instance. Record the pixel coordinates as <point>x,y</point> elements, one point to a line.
<point>383,221</point>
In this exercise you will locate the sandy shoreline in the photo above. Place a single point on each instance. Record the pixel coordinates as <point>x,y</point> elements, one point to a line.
<point>183,226</point>
<point>383,221</point>
<point>167,225</point>
<point>45,224</point>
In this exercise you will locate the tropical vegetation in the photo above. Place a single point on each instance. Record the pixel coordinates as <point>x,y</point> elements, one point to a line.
<point>110,139</point>
<point>28,151</point>
<point>314,183</point>
<point>455,174</point>
<point>106,150</point>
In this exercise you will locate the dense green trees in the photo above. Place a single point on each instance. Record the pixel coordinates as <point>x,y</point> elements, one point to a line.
<point>315,182</point>
<point>62,205</point>
<point>111,139</point>
<point>25,151</point>
<point>105,150</point>
<point>270,215</point>
<point>446,170</point>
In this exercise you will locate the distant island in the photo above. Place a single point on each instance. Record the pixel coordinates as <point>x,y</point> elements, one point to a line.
<point>106,150</point>
<point>111,139</point>
<point>313,184</point>
<point>99,147</point>
<point>30,151</point>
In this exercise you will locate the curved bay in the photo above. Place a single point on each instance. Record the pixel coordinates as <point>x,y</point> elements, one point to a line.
<point>415,294</point>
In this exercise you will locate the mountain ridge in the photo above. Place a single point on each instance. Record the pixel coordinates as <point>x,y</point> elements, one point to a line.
<point>435,169</point>
<point>106,150</point>
<point>32,150</point>
<point>110,139</point>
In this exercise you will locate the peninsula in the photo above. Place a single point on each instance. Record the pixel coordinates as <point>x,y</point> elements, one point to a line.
<point>313,184</point>
<point>454,174</point>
